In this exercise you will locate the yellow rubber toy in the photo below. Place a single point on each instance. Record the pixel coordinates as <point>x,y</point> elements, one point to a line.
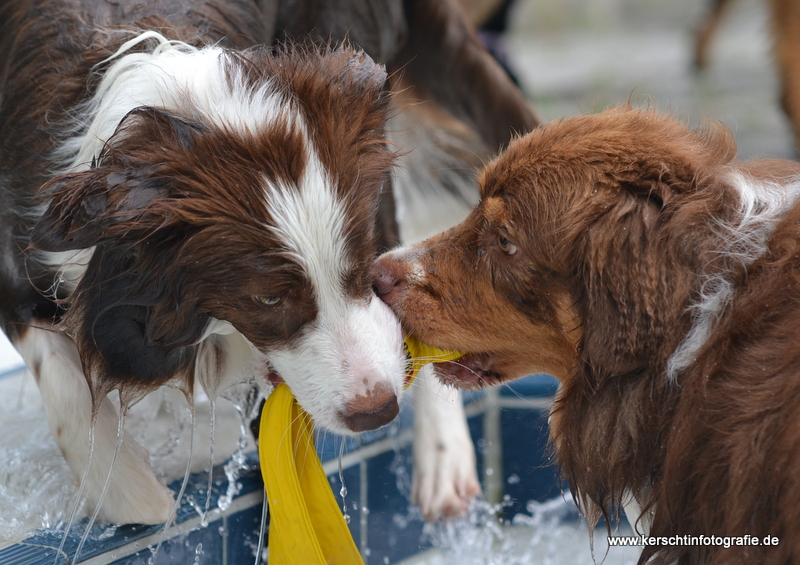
<point>306,523</point>
<point>419,354</point>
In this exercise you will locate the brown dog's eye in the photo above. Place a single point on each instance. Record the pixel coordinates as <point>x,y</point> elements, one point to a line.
<point>268,300</point>
<point>505,246</point>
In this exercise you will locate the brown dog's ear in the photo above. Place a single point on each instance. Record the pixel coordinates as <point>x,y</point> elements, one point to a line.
<point>680,161</point>
<point>634,283</point>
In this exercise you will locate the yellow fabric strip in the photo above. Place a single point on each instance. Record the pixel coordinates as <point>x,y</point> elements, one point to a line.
<point>306,523</point>
<point>419,354</point>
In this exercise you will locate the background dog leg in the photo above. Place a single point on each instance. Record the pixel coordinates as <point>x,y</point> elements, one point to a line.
<point>135,495</point>
<point>786,28</point>
<point>444,478</point>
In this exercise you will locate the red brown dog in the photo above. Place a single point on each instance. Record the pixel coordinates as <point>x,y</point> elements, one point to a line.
<point>659,280</point>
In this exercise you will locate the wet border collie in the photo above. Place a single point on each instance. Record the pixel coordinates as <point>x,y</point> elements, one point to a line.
<point>182,204</point>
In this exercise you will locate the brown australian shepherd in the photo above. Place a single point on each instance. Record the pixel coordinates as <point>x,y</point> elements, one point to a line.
<point>659,280</point>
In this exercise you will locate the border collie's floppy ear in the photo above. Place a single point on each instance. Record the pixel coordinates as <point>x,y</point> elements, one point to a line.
<point>113,207</point>
<point>84,205</point>
<point>112,324</point>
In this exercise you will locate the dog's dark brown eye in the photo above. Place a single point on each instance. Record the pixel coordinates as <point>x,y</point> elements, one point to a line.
<point>268,300</point>
<point>506,246</point>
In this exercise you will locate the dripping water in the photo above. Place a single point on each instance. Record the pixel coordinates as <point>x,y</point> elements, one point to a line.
<point>263,529</point>
<point>343,490</point>
<point>123,410</point>
<point>174,513</point>
<point>79,496</point>
<point>246,400</point>
<point>212,403</point>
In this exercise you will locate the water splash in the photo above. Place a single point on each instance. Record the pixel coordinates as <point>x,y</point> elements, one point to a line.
<point>550,534</point>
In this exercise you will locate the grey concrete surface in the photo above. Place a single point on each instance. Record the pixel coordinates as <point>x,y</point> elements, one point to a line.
<point>575,56</point>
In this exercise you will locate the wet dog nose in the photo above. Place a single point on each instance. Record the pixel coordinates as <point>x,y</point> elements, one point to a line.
<point>369,412</point>
<point>388,272</point>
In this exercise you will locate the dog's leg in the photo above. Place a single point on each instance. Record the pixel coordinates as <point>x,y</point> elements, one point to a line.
<point>135,495</point>
<point>445,479</point>
<point>707,31</point>
<point>786,29</point>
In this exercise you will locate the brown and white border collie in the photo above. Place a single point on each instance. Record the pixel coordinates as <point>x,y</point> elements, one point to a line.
<point>659,280</point>
<point>181,204</point>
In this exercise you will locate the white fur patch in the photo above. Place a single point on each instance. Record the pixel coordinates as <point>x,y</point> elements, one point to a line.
<point>71,268</point>
<point>174,76</point>
<point>353,345</point>
<point>761,206</point>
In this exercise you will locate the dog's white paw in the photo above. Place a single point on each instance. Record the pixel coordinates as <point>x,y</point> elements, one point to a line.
<point>445,479</point>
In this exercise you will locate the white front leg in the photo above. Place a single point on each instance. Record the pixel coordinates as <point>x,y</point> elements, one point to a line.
<point>445,479</point>
<point>135,495</point>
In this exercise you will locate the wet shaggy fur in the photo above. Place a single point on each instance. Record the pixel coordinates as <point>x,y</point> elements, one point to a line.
<point>658,279</point>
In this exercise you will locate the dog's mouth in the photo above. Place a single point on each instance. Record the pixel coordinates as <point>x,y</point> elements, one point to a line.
<point>273,377</point>
<point>471,371</point>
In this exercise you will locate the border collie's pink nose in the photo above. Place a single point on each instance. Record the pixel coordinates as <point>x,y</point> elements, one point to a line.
<point>370,412</point>
<point>388,273</point>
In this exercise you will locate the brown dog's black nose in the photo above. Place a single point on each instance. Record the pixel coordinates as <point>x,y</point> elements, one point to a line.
<point>370,412</point>
<point>387,275</point>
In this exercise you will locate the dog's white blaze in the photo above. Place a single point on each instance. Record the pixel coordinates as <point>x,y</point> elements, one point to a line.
<point>761,206</point>
<point>353,344</point>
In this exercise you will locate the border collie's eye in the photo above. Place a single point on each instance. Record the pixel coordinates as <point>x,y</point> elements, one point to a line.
<point>268,300</point>
<point>506,246</point>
